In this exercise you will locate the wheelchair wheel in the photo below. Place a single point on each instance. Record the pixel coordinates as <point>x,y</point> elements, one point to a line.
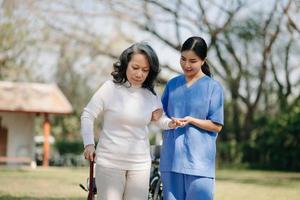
<point>155,190</point>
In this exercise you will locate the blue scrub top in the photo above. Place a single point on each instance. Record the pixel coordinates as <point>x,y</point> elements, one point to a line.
<point>191,150</point>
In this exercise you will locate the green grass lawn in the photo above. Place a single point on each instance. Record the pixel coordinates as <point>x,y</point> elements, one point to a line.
<point>42,183</point>
<point>62,183</point>
<point>257,185</point>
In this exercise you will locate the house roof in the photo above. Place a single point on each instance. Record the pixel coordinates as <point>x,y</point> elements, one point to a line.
<point>33,98</point>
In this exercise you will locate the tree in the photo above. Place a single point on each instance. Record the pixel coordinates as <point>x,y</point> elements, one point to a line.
<point>250,46</point>
<point>243,44</point>
<point>253,48</point>
<point>13,41</point>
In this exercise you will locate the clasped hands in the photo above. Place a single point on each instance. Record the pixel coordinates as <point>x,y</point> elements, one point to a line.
<point>174,123</point>
<point>179,122</point>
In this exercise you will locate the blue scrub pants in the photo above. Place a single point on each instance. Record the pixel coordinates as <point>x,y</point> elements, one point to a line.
<point>178,186</point>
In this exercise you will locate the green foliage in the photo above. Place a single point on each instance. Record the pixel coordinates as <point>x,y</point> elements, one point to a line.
<point>66,127</point>
<point>12,43</point>
<point>229,152</point>
<point>10,36</point>
<point>73,147</point>
<point>277,144</point>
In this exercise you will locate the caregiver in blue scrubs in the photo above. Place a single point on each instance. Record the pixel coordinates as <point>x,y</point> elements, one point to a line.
<point>188,153</point>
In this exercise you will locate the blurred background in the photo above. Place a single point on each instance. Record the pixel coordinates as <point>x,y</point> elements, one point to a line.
<point>254,49</point>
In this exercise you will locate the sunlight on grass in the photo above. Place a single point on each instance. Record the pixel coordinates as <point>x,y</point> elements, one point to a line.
<point>42,183</point>
<point>258,185</point>
<point>62,183</point>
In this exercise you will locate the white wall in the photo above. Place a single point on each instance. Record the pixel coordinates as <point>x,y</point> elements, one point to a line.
<point>20,133</point>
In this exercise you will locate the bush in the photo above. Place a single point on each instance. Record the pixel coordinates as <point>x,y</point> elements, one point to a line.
<point>229,153</point>
<point>67,147</point>
<point>277,144</point>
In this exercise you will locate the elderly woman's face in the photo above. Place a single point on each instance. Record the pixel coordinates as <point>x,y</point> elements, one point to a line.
<point>138,69</point>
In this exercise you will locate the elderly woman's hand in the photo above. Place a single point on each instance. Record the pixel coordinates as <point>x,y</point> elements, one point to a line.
<point>89,152</point>
<point>156,115</point>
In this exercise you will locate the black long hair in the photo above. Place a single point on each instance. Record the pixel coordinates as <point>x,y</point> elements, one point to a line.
<point>120,67</point>
<point>199,46</point>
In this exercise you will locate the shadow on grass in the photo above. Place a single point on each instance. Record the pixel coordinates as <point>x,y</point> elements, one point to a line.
<point>8,197</point>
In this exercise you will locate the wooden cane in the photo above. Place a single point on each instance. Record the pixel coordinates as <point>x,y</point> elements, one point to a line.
<point>91,184</point>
